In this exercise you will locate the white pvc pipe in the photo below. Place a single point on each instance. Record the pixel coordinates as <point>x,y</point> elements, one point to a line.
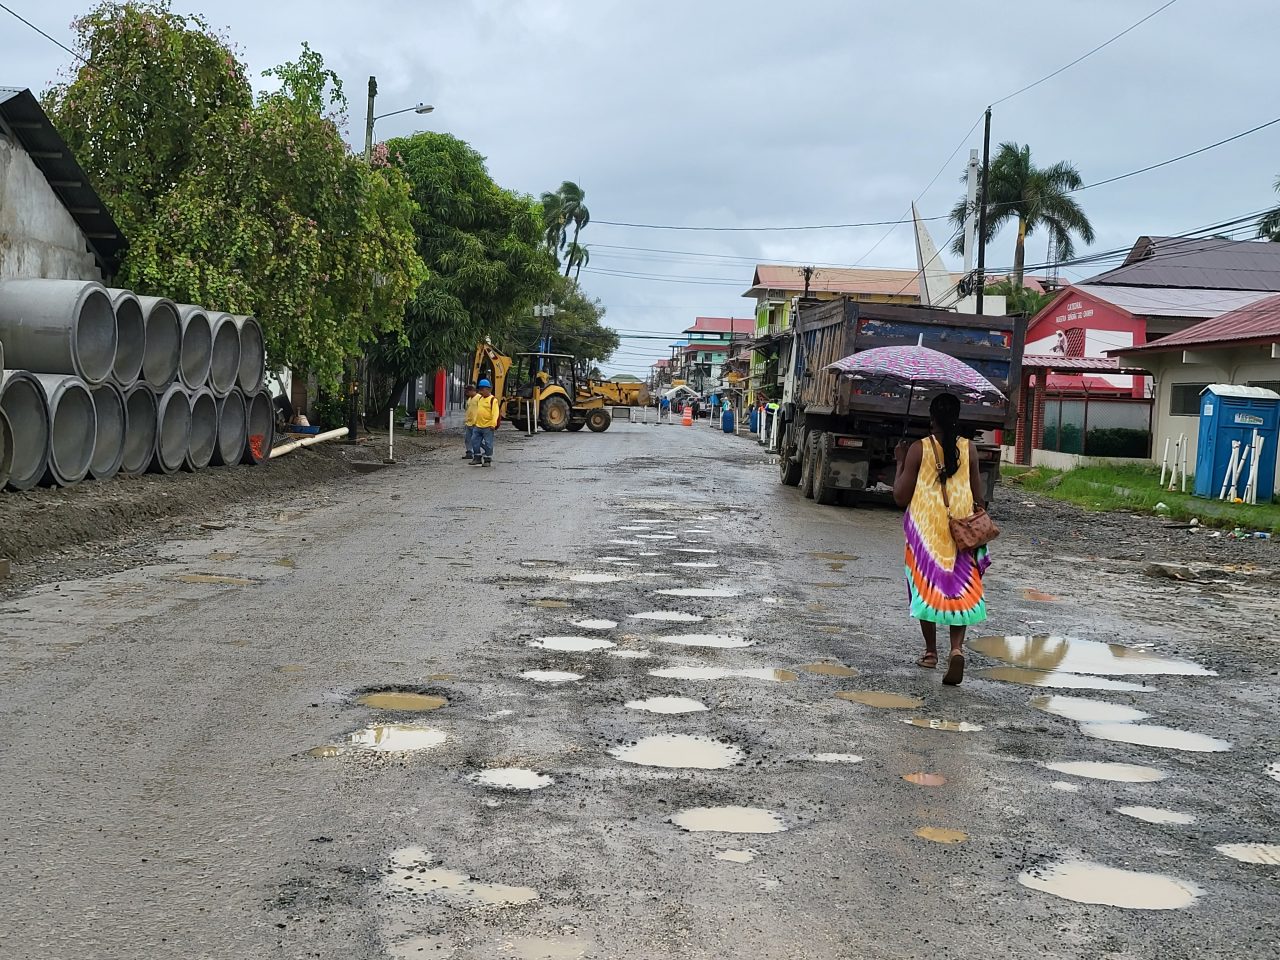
<point>1164,463</point>
<point>391,436</point>
<point>1184,463</point>
<point>284,448</point>
<point>1231,467</point>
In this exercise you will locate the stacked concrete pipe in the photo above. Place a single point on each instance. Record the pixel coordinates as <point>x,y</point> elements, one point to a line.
<point>139,429</point>
<point>231,429</point>
<point>173,430</point>
<point>113,424</point>
<point>224,364</point>
<point>203,437</point>
<point>25,406</point>
<point>260,417</point>
<point>197,346</point>
<point>58,326</point>
<point>131,338</point>
<point>162,341</point>
<point>73,425</point>
<point>6,448</point>
<point>253,355</point>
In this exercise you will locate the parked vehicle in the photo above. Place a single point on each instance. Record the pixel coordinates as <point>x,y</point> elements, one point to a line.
<point>546,384</point>
<point>835,439</point>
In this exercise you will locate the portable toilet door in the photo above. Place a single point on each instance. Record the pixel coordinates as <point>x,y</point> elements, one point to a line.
<point>1229,412</point>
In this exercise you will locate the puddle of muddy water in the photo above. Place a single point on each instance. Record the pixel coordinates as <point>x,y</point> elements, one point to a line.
<point>571,644</point>
<point>1084,710</point>
<point>695,565</point>
<point>729,820</point>
<point>836,557</point>
<point>668,705</point>
<point>551,604</point>
<point>1070,655</point>
<point>1150,735</point>
<point>1273,771</point>
<point>705,592</point>
<point>1084,882</point>
<point>511,778</point>
<point>1101,770</point>
<point>829,669</point>
<point>1264,853</point>
<point>1038,596</point>
<point>595,624</point>
<point>655,536</point>
<point>546,948</point>
<point>836,758</point>
<point>702,550</point>
<point>925,779</point>
<point>1065,787</point>
<point>410,875</point>
<point>879,698</point>
<point>950,726</point>
<point>719,641</point>
<point>736,856</point>
<point>942,835</point>
<point>630,654</point>
<point>724,673</point>
<point>550,676</point>
<point>668,616</point>
<point>397,738</point>
<point>1157,815</point>
<point>1057,679</point>
<point>325,751</point>
<point>680,750</point>
<point>401,700</point>
<point>213,578</point>
<point>595,578</point>
<point>290,668</point>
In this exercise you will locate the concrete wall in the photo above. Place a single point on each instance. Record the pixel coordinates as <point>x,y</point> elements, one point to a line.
<point>38,238</point>
<point>1070,461</point>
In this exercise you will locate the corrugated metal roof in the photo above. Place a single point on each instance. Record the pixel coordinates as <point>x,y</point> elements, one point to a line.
<point>1057,363</point>
<point>1200,262</point>
<point>722,325</point>
<point>1171,301</point>
<point>855,280</point>
<point>21,113</point>
<point>1255,322</point>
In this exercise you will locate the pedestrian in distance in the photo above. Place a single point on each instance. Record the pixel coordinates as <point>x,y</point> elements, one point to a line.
<point>488,415</point>
<point>944,583</point>
<point>469,424</point>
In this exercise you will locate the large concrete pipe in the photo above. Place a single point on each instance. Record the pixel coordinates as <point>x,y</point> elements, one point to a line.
<point>224,365</point>
<point>173,430</point>
<point>139,429</point>
<point>131,338</point>
<point>108,444</point>
<point>6,448</point>
<point>253,355</point>
<point>73,425</point>
<point>204,430</point>
<point>162,344</point>
<point>197,346</point>
<point>261,427</point>
<point>231,429</point>
<point>58,326</point>
<point>23,401</point>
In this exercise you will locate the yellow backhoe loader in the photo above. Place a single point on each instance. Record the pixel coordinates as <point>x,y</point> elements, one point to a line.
<point>543,385</point>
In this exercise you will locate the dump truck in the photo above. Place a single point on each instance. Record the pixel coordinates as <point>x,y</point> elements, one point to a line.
<point>835,436</point>
<point>543,385</point>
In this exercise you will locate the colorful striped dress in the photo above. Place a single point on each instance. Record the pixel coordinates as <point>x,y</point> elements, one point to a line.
<point>945,586</point>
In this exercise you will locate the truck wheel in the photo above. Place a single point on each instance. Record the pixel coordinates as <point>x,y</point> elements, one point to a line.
<point>598,420</point>
<point>808,463</point>
<point>575,426</point>
<point>788,469</point>
<point>823,492</point>
<point>555,414</point>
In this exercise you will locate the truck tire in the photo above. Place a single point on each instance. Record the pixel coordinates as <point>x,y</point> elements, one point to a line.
<point>808,464</point>
<point>788,469</point>
<point>555,414</point>
<point>598,420</point>
<point>823,492</point>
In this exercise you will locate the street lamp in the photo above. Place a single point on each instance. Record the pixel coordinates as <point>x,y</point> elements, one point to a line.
<point>370,118</point>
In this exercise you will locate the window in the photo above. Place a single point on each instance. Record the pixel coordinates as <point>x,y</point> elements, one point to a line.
<point>1266,384</point>
<point>1184,399</point>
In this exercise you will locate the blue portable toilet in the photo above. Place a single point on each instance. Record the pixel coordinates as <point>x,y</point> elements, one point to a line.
<point>1229,412</point>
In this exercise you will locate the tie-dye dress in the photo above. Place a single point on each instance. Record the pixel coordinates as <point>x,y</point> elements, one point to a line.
<point>945,585</point>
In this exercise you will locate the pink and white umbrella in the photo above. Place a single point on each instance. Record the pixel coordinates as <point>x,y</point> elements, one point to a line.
<point>917,367</point>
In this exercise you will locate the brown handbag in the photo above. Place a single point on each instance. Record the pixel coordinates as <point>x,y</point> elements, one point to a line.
<point>973,531</point>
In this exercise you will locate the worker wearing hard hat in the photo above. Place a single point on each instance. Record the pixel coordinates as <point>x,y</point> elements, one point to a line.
<point>488,414</point>
<point>469,424</point>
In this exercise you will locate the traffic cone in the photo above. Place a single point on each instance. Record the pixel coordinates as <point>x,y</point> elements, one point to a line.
<point>687,419</point>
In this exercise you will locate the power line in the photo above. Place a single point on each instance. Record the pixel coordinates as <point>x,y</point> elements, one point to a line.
<point>765,229</point>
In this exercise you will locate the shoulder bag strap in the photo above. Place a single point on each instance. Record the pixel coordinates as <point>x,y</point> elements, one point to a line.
<point>936,449</point>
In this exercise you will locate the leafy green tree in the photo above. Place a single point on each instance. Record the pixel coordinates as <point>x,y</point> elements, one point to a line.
<point>1032,196</point>
<point>1019,300</point>
<point>561,209</point>
<point>576,257</point>
<point>1269,226</point>
<point>485,251</point>
<point>576,328</point>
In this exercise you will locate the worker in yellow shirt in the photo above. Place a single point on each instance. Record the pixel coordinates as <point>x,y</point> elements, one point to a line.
<point>488,413</point>
<point>469,425</point>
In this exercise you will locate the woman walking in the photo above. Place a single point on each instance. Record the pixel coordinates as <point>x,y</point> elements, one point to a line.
<point>944,584</point>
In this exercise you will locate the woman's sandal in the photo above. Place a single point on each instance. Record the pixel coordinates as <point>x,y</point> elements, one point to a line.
<point>929,661</point>
<point>955,670</point>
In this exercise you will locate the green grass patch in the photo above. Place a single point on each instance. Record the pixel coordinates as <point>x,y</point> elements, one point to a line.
<point>1135,489</point>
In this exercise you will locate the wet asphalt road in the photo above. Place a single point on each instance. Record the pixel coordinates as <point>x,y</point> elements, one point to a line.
<point>160,799</point>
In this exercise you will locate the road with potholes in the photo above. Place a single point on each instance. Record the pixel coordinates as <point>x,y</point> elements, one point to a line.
<point>645,703</point>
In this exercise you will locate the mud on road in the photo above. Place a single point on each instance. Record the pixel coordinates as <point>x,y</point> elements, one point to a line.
<point>645,703</point>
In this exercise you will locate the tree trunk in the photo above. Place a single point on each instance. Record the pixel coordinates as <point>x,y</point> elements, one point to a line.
<point>1019,254</point>
<point>385,404</point>
<point>568,261</point>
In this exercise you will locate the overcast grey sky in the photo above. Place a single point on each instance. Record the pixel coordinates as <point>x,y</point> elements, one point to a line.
<point>720,113</point>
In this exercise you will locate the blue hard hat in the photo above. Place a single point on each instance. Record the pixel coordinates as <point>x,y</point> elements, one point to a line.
<point>485,383</point>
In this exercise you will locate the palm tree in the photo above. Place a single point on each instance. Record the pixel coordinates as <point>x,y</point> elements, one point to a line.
<point>577,256</point>
<point>1269,226</point>
<point>1036,197</point>
<point>574,208</point>
<point>554,222</point>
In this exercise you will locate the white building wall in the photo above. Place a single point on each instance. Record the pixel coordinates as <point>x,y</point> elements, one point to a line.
<point>38,238</point>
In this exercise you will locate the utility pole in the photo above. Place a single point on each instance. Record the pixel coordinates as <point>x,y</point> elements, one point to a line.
<point>982,211</point>
<point>353,386</point>
<point>971,202</point>
<point>368,120</point>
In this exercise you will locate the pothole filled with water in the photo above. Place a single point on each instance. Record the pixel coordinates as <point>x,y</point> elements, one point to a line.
<point>630,654</point>
<point>411,874</point>
<point>511,778</point>
<point>1101,770</point>
<point>668,705</point>
<point>695,564</point>
<point>1084,710</point>
<point>925,779</point>
<point>551,604</point>
<point>1273,771</point>
<point>595,578</point>
<point>1084,882</point>
<point>724,673</point>
<point>736,856</point>
<point>704,592</point>
<point>720,641</point>
<point>950,726</point>
<point>668,616</point>
<point>1265,853</point>
<point>828,669</point>
<point>401,700</point>
<point>572,644</point>
<point>836,557</point>
<point>547,948</point>
<point>550,676</point>
<point>836,758</point>
<point>729,820</point>
<point>595,624</point>
<point>1070,655</point>
<point>942,835</point>
<point>702,550</point>
<point>1058,679</point>
<point>1157,815</point>
<point>1150,735</point>
<point>397,738</point>
<point>881,699</point>
<point>655,536</point>
<point>680,750</point>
